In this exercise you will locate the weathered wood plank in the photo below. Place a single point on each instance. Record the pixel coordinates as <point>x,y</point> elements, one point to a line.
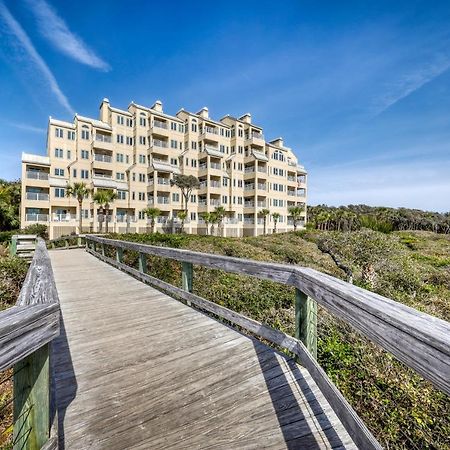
<point>417,339</point>
<point>306,321</point>
<point>344,411</point>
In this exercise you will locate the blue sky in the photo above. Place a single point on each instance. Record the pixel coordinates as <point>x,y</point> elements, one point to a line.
<point>360,90</point>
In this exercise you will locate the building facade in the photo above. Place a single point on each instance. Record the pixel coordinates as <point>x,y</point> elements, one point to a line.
<point>136,152</point>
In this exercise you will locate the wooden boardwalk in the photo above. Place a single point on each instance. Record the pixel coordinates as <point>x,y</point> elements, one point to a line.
<point>137,369</point>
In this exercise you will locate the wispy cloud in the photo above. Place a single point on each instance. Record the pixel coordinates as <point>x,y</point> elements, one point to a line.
<point>55,30</point>
<point>410,83</point>
<point>25,127</point>
<point>18,33</point>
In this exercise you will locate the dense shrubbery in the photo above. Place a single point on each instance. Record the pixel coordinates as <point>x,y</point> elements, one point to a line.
<point>400,408</point>
<point>355,217</point>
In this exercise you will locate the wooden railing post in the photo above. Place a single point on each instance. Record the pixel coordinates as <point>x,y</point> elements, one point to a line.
<point>32,401</point>
<point>66,242</point>
<point>78,241</point>
<point>119,254</point>
<point>13,248</point>
<point>103,250</point>
<point>306,321</point>
<point>142,262</point>
<point>186,277</point>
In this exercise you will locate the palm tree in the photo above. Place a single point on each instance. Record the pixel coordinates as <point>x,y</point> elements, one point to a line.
<point>104,197</point>
<point>276,217</point>
<point>152,214</point>
<point>264,213</point>
<point>220,212</point>
<point>213,219</point>
<point>182,215</point>
<point>206,216</point>
<point>295,212</point>
<point>80,191</point>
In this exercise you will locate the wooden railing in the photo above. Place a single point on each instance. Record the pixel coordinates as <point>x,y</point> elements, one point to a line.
<point>67,242</point>
<point>26,332</point>
<point>417,339</point>
<point>23,245</point>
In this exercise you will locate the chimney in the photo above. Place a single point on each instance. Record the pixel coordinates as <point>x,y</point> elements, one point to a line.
<point>204,113</point>
<point>104,110</point>
<point>278,142</point>
<point>157,106</point>
<point>247,118</point>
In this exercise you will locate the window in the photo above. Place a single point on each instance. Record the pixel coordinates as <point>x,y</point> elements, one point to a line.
<point>85,213</point>
<point>141,215</point>
<point>142,177</point>
<point>193,162</point>
<point>129,140</point>
<point>59,153</point>
<point>174,161</point>
<point>60,192</point>
<point>175,197</point>
<point>119,139</point>
<point>120,176</point>
<point>68,154</point>
<point>59,132</point>
<point>181,128</point>
<point>120,120</point>
<point>173,143</point>
<point>194,127</point>
<point>71,135</point>
<point>129,122</point>
<point>119,157</point>
<point>224,181</point>
<point>193,198</point>
<point>142,140</point>
<point>193,216</point>
<point>59,172</point>
<point>222,148</point>
<point>173,126</point>
<point>121,195</point>
<point>277,155</point>
<point>194,145</point>
<point>240,132</point>
<point>133,195</point>
<point>85,133</point>
<point>84,174</point>
<point>84,154</point>
<point>224,199</point>
<point>142,196</point>
<point>74,173</point>
<point>142,159</point>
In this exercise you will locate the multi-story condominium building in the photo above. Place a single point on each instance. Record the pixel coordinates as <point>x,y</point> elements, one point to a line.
<point>136,152</point>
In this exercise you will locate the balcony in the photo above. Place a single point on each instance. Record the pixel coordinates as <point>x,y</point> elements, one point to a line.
<point>210,134</point>
<point>164,181</point>
<point>249,169</point>
<point>160,200</point>
<point>63,217</point>
<point>160,128</point>
<point>124,218</point>
<point>159,143</point>
<point>37,175</point>
<point>102,158</point>
<point>262,204</point>
<point>249,187</point>
<point>214,202</point>
<point>103,142</point>
<point>41,196</point>
<point>249,221</point>
<point>290,178</point>
<point>256,139</point>
<point>36,217</point>
<point>262,186</point>
<point>249,204</point>
<point>262,169</point>
<point>291,193</point>
<point>301,192</point>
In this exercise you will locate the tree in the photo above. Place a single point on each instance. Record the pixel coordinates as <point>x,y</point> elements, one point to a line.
<point>213,219</point>
<point>264,213</point>
<point>295,212</point>
<point>186,183</point>
<point>104,197</point>
<point>182,215</point>
<point>80,191</point>
<point>276,217</point>
<point>206,216</point>
<point>152,214</point>
<point>219,212</point>
<point>9,204</point>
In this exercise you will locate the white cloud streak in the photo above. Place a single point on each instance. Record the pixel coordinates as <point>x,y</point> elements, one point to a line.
<point>22,38</point>
<point>408,84</point>
<point>25,127</point>
<point>54,29</point>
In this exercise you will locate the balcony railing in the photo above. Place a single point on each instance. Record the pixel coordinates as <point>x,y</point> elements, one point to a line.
<point>210,130</point>
<point>214,202</point>
<point>215,184</point>
<point>262,169</point>
<point>63,217</point>
<point>102,175</point>
<point>37,196</point>
<point>249,221</point>
<point>249,187</point>
<point>249,204</point>
<point>260,221</point>
<point>103,138</point>
<point>36,217</point>
<point>159,124</point>
<point>162,219</point>
<point>203,184</point>
<point>291,178</point>
<point>291,193</point>
<point>249,170</point>
<point>159,143</point>
<point>202,203</point>
<point>301,180</point>
<point>262,204</point>
<point>121,218</point>
<point>262,186</point>
<point>102,158</point>
<point>160,160</point>
<point>164,181</point>
<point>301,193</point>
<point>37,175</point>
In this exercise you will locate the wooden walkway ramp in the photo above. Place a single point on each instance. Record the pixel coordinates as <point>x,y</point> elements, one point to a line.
<point>135,368</point>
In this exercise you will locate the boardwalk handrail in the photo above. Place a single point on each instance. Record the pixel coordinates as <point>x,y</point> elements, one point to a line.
<point>417,339</point>
<point>26,331</point>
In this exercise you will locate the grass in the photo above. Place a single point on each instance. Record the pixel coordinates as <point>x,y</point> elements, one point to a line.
<point>400,408</point>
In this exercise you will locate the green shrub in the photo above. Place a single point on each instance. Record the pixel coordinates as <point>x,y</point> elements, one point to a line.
<point>12,274</point>
<point>38,229</point>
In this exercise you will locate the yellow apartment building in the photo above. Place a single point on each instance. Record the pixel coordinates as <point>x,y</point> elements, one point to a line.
<point>136,152</point>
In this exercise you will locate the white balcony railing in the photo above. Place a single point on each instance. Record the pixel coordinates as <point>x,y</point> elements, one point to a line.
<point>37,196</point>
<point>36,217</point>
<point>215,184</point>
<point>291,178</point>
<point>37,175</point>
<point>160,124</point>
<point>164,181</point>
<point>291,193</point>
<point>103,138</point>
<point>249,170</point>
<point>249,221</point>
<point>124,218</point>
<point>202,203</point>
<point>262,169</point>
<point>102,175</point>
<point>162,219</point>
<point>249,204</point>
<point>262,204</point>
<point>203,184</point>
<point>262,186</point>
<point>249,187</point>
<point>102,158</point>
<point>159,143</point>
<point>214,202</point>
<point>210,130</point>
<point>301,193</point>
<point>63,217</point>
